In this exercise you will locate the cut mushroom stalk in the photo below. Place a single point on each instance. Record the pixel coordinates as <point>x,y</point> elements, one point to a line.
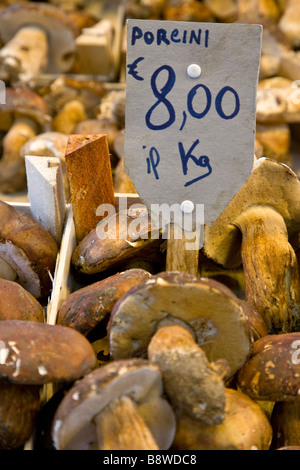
<point>120,427</point>
<point>25,56</point>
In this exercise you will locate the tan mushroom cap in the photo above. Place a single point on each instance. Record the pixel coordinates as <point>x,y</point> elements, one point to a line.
<point>23,102</point>
<point>28,248</point>
<point>90,306</point>
<point>73,425</point>
<point>271,185</point>
<point>36,353</point>
<point>16,303</point>
<point>273,370</point>
<point>60,28</point>
<point>116,241</point>
<point>205,307</point>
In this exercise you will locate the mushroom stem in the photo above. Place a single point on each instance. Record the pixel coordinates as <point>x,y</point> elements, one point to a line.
<point>25,56</point>
<point>121,427</point>
<point>12,165</point>
<point>270,267</point>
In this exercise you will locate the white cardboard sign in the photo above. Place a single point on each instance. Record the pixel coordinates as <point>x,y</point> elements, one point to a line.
<point>190,111</point>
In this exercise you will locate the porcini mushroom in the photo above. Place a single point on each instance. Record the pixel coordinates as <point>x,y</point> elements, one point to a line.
<point>245,427</point>
<point>16,303</point>
<point>193,386</point>
<point>37,37</point>
<point>206,308</point>
<point>254,230</point>
<point>119,406</point>
<point>35,353</point>
<point>117,240</point>
<point>28,248</point>
<point>289,22</point>
<point>22,117</point>
<point>19,408</point>
<point>91,305</point>
<point>272,371</point>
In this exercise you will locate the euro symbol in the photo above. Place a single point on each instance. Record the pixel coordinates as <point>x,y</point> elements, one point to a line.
<point>132,67</point>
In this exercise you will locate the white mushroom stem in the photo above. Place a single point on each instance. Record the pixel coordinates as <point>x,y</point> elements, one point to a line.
<point>25,56</point>
<point>270,266</point>
<point>120,427</point>
<point>12,165</point>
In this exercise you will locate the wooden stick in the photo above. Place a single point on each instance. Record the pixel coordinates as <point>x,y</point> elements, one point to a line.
<point>90,177</point>
<point>180,256</point>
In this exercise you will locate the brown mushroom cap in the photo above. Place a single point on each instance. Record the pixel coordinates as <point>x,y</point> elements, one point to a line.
<point>73,425</point>
<point>37,353</point>
<point>205,307</point>
<point>16,303</point>
<point>60,28</point>
<point>95,255</point>
<point>245,427</point>
<point>272,371</point>
<point>90,306</point>
<point>23,102</point>
<point>19,408</point>
<point>28,248</point>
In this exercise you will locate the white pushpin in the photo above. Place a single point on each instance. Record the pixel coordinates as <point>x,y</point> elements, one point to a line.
<point>187,207</point>
<point>194,71</point>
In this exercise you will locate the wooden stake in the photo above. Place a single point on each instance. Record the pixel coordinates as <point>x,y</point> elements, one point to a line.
<point>90,177</point>
<point>180,256</point>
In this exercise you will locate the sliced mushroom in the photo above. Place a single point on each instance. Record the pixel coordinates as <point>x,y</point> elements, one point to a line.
<point>29,249</point>
<point>117,240</point>
<point>90,306</point>
<point>35,353</point>
<point>23,116</point>
<point>16,303</point>
<point>193,386</point>
<point>119,406</point>
<point>245,427</point>
<point>254,230</point>
<point>205,307</point>
<point>38,37</point>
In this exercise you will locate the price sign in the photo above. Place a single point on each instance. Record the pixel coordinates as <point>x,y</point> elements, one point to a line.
<point>190,111</point>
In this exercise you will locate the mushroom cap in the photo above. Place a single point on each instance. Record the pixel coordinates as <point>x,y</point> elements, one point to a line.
<point>272,371</point>
<point>271,184</point>
<point>245,427</point>
<point>209,310</point>
<point>16,303</point>
<point>73,426</point>
<point>19,408</point>
<point>28,248</point>
<point>121,244</point>
<point>61,30</point>
<point>23,102</point>
<point>90,306</point>
<point>36,353</point>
